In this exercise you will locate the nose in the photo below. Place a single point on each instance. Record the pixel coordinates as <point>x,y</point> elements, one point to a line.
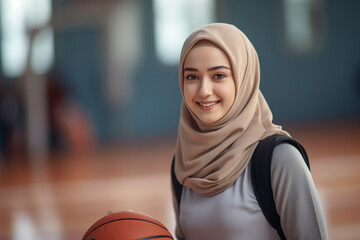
<point>205,88</point>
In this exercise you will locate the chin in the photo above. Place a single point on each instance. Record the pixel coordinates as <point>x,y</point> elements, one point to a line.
<point>207,120</point>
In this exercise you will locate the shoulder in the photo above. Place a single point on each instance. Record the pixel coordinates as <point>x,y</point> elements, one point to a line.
<point>287,157</point>
<point>290,175</point>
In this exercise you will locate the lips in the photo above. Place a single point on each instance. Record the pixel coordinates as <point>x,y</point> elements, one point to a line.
<point>207,105</point>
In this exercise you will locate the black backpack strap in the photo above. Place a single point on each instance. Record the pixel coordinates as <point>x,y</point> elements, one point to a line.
<point>261,176</point>
<point>175,183</point>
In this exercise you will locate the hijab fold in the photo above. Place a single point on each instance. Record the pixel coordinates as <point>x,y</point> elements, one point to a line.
<point>210,157</point>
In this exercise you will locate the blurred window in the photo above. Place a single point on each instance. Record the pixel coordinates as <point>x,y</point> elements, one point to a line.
<point>174,21</point>
<point>303,24</point>
<point>21,20</point>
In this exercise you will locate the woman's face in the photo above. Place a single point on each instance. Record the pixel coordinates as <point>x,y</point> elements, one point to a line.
<point>209,87</point>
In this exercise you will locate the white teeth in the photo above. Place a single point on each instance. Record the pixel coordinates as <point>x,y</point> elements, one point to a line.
<point>207,104</point>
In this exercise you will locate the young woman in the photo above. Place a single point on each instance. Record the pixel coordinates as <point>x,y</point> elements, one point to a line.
<point>223,117</point>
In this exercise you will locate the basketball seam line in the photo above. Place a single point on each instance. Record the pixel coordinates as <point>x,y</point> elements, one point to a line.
<point>115,220</point>
<point>156,236</point>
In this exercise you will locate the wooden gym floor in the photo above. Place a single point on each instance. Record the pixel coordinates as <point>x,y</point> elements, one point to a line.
<point>60,197</point>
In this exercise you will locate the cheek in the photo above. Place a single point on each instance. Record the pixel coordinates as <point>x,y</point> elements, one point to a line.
<point>189,93</point>
<point>228,93</point>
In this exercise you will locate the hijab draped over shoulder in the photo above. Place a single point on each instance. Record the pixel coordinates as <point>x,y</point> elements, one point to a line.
<point>210,157</point>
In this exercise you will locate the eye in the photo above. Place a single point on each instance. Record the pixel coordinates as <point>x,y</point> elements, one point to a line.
<point>219,76</point>
<point>191,77</point>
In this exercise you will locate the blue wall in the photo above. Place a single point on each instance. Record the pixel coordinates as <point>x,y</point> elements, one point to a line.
<point>80,67</point>
<point>318,86</point>
<point>156,108</point>
<point>323,85</point>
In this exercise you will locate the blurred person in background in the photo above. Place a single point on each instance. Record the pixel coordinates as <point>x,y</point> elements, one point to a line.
<point>12,142</point>
<point>70,127</point>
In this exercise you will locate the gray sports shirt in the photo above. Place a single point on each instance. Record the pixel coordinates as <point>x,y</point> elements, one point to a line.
<point>235,213</point>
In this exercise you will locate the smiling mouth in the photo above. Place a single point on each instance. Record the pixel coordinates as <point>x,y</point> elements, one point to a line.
<point>207,105</point>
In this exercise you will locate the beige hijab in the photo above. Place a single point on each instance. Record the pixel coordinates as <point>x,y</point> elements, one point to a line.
<point>210,157</point>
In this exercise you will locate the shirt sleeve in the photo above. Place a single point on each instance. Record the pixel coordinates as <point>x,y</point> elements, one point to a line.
<point>295,195</point>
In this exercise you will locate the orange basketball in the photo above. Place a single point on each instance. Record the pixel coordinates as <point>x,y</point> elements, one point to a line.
<point>125,226</point>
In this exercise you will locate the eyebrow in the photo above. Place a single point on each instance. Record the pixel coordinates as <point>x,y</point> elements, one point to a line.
<point>191,69</point>
<point>218,67</point>
<point>209,69</point>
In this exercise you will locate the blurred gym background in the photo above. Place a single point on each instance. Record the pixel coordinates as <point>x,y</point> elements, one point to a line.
<point>89,103</point>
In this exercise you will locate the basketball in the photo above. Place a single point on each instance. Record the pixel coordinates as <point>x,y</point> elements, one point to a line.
<point>127,225</point>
